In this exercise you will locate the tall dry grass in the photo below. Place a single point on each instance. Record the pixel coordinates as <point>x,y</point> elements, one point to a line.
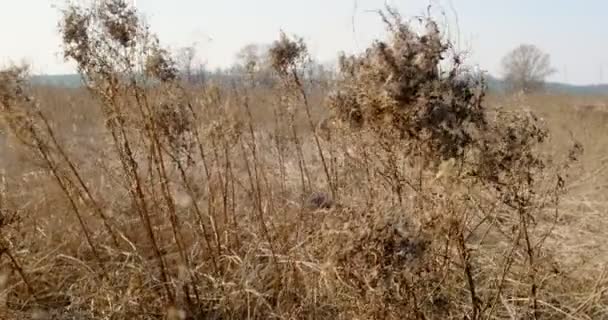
<point>417,198</point>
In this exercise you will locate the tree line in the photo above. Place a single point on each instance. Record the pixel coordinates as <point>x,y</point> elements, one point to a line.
<point>524,69</point>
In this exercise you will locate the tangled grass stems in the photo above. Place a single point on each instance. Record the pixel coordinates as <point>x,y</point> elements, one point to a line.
<point>413,200</point>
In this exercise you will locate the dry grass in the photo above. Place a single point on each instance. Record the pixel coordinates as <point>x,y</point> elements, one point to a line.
<point>419,198</point>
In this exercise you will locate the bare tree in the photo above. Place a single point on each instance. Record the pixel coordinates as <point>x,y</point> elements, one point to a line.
<point>185,60</point>
<point>526,68</point>
<point>192,72</point>
<point>253,59</point>
<point>250,57</point>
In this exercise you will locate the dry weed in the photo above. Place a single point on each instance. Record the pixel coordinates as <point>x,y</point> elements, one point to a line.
<point>413,200</point>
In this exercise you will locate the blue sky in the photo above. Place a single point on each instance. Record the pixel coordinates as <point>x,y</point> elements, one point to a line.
<point>575,33</point>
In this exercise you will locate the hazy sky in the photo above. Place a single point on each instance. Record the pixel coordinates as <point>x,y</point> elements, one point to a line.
<point>575,33</point>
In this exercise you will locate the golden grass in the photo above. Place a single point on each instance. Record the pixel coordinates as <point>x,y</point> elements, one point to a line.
<point>49,246</point>
<point>131,201</point>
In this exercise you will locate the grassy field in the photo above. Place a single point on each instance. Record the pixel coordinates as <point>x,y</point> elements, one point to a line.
<point>391,192</point>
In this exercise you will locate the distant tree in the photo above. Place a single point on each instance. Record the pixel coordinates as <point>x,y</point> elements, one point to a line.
<point>185,60</point>
<point>253,59</point>
<point>525,68</point>
<point>192,72</point>
<point>318,74</point>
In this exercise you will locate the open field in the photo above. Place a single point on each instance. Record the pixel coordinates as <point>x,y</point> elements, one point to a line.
<point>392,191</point>
<point>48,244</point>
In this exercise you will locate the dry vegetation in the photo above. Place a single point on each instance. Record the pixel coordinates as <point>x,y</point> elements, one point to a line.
<point>418,198</point>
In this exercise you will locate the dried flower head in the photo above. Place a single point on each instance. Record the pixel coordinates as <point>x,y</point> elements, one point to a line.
<point>120,21</point>
<point>160,65</point>
<point>398,90</point>
<point>287,53</point>
<point>103,39</point>
<point>175,124</point>
<point>508,155</point>
<point>75,31</point>
<point>16,104</point>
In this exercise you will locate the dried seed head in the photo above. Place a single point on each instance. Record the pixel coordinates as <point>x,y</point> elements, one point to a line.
<point>286,53</point>
<point>12,83</point>
<point>397,90</point>
<point>319,200</point>
<point>120,21</point>
<point>159,65</point>
<point>75,31</point>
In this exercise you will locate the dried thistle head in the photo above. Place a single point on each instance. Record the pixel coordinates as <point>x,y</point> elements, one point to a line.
<point>120,21</point>
<point>12,81</point>
<point>15,103</point>
<point>175,123</point>
<point>398,90</point>
<point>160,65</point>
<point>507,154</point>
<point>106,40</point>
<point>75,31</point>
